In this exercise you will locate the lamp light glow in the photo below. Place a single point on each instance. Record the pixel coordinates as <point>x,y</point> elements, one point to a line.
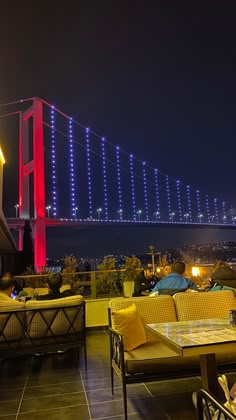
<point>2,157</point>
<point>195,271</point>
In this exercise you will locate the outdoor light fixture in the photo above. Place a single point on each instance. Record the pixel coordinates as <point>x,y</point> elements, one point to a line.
<point>186,215</point>
<point>120,211</point>
<point>200,216</point>
<point>17,210</point>
<point>99,213</point>
<point>157,213</point>
<point>48,208</point>
<point>139,212</point>
<point>195,271</point>
<point>172,216</point>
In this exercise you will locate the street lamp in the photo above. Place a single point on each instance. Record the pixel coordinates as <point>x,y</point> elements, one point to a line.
<point>120,211</point>
<point>224,219</point>
<point>157,213</point>
<point>99,213</point>
<point>172,217</point>
<point>17,210</point>
<point>139,212</point>
<point>200,217</point>
<point>212,219</point>
<point>76,209</point>
<point>48,210</point>
<point>186,215</point>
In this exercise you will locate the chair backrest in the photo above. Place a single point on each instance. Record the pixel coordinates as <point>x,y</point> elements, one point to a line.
<point>204,305</point>
<point>151,309</point>
<point>59,317</point>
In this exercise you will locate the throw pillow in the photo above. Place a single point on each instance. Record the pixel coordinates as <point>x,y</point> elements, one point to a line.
<point>127,322</point>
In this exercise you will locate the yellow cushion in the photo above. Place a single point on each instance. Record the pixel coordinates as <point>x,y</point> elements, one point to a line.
<point>127,322</point>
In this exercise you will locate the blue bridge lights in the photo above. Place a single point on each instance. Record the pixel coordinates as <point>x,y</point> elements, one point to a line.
<point>126,188</point>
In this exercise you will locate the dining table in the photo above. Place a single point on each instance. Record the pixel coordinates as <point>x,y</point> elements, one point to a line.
<point>204,338</point>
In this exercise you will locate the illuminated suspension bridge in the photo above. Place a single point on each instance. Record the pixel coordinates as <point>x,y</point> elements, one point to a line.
<point>80,177</point>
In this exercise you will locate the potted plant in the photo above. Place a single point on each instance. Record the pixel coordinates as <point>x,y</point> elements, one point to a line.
<point>132,264</point>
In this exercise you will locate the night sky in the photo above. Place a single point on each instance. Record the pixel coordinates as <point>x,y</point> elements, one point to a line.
<point>156,77</point>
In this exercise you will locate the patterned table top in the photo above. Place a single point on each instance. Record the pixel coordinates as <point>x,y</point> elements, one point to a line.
<point>187,334</point>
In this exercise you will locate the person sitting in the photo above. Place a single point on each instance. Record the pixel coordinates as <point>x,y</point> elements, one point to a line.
<point>7,289</point>
<point>54,283</point>
<point>224,278</point>
<point>143,281</point>
<point>175,282</point>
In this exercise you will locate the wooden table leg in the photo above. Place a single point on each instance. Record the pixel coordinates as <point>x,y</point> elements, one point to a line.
<point>209,373</point>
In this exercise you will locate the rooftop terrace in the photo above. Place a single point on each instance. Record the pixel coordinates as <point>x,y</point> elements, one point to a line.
<point>55,386</point>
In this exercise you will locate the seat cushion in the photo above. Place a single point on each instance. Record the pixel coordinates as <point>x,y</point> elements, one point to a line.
<point>158,358</point>
<point>127,322</point>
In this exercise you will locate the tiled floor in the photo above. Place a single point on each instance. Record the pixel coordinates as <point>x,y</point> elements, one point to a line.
<point>55,387</point>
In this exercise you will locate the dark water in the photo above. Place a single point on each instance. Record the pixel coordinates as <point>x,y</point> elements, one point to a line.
<point>95,241</point>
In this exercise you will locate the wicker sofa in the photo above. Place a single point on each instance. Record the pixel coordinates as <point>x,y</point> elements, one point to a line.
<point>153,360</point>
<point>42,326</point>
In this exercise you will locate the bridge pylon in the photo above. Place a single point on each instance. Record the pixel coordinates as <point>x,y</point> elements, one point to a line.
<point>31,161</point>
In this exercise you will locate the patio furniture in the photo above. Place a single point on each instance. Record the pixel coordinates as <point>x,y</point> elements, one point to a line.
<point>154,360</point>
<point>43,326</point>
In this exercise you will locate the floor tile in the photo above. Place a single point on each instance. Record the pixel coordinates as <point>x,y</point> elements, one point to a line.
<point>109,409</point>
<point>54,379</point>
<point>9,407</point>
<point>61,388</point>
<point>69,413</point>
<point>10,394</point>
<point>100,383</point>
<point>55,401</point>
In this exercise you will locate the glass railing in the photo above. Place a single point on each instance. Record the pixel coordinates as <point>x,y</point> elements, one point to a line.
<point>91,284</point>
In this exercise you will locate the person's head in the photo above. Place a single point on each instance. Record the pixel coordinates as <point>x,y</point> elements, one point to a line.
<point>54,281</point>
<point>178,267</point>
<point>148,270</point>
<point>7,284</point>
<point>166,270</point>
<point>219,264</point>
<point>224,276</point>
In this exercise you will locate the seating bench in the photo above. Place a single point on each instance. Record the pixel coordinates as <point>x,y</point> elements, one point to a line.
<point>42,326</point>
<point>153,360</point>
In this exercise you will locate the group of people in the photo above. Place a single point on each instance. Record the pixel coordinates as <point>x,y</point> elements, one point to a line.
<point>54,282</point>
<point>174,280</point>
